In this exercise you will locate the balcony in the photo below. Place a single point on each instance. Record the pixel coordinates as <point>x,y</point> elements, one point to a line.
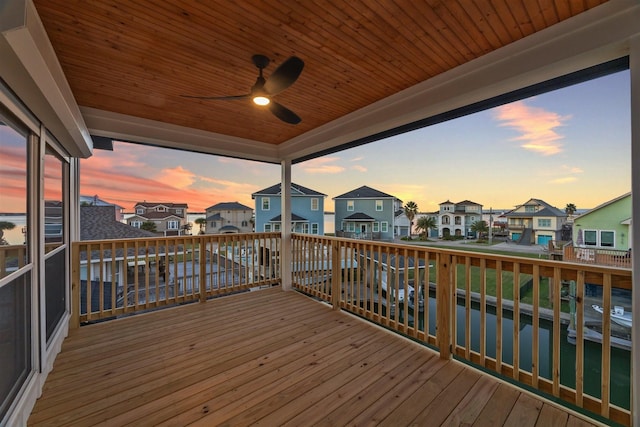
<point>334,349</point>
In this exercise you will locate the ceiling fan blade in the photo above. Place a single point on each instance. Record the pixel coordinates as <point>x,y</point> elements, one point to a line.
<point>283,113</point>
<point>284,76</point>
<point>218,97</point>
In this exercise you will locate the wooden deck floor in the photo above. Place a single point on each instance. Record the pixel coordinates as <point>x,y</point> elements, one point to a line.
<point>269,358</point>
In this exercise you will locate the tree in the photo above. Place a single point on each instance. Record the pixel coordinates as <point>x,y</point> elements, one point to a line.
<point>480,228</point>
<point>149,226</point>
<point>201,222</point>
<point>5,225</point>
<point>570,209</point>
<point>425,224</point>
<point>410,210</point>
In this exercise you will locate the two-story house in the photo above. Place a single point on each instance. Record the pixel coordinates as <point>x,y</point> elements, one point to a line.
<point>307,209</point>
<point>96,201</point>
<point>228,217</point>
<point>170,218</point>
<point>456,219</point>
<point>366,213</point>
<point>535,222</point>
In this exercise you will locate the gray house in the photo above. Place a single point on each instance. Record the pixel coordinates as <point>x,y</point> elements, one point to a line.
<point>229,217</point>
<point>366,213</point>
<point>307,209</point>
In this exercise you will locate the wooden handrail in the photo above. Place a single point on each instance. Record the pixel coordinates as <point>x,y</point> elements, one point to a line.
<point>382,282</point>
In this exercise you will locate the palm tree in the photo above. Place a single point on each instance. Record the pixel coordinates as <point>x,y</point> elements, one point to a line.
<point>410,210</point>
<point>201,222</point>
<point>480,227</point>
<point>570,209</point>
<point>5,225</point>
<point>426,223</point>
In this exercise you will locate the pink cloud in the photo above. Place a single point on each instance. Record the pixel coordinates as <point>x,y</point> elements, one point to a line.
<point>535,125</point>
<point>322,165</point>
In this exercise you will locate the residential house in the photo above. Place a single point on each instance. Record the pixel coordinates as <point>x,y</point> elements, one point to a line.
<point>456,219</point>
<point>535,222</point>
<point>170,218</point>
<point>229,217</point>
<point>366,213</point>
<point>432,232</point>
<point>607,226</point>
<point>307,209</point>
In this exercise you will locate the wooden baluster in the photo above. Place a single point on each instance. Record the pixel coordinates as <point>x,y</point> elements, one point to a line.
<point>443,302</point>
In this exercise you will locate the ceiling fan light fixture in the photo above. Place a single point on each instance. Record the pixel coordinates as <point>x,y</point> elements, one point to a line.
<point>261,100</point>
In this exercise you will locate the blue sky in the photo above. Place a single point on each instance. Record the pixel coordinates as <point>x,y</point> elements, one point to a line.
<point>567,146</point>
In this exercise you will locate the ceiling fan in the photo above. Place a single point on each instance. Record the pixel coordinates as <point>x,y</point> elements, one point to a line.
<point>263,90</point>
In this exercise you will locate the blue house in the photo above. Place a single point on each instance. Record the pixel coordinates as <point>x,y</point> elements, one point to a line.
<point>307,209</point>
<point>366,213</point>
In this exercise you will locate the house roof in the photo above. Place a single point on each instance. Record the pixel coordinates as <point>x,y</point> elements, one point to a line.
<point>296,190</point>
<point>165,204</point>
<point>547,210</point>
<point>214,217</point>
<point>605,204</point>
<point>96,201</point>
<point>229,206</point>
<point>365,192</point>
<point>384,64</point>
<point>229,228</point>
<point>359,216</point>
<point>157,215</point>
<point>99,223</point>
<point>294,217</point>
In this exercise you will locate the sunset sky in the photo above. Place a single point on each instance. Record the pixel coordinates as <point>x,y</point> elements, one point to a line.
<point>568,146</point>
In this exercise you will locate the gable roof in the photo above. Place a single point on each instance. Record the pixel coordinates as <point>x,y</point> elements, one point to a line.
<point>365,192</point>
<point>229,206</point>
<point>166,204</point>
<point>297,189</point>
<point>603,205</point>
<point>359,216</point>
<point>294,217</point>
<point>99,223</point>
<point>158,215</point>
<point>547,210</point>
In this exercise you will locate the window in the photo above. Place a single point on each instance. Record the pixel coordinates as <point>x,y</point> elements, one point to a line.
<point>351,226</point>
<point>213,224</point>
<point>314,228</point>
<point>446,220</point>
<point>172,225</point>
<point>530,208</point>
<point>266,202</point>
<point>135,224</point>
<point>276,226</point>
<point>378,205</point>
<point>267,228</point>
<point>245,223</point>
<point>375,227</point>
<point>315,204</point>
<point>544,222</point>
<point>458,220</point>
<point>384,226</point>
<point>350,205</point>
<point>160,209</point>
<point>607,239</point>
<point>590,237</point>
<point>305,228</point>
<point>179,211</point>
<point>139,211</point>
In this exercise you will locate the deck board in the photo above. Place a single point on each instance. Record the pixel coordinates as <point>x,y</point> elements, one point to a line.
<point>269,358</point>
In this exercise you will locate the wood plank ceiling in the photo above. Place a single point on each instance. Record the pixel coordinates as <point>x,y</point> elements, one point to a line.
<point>138,57</point>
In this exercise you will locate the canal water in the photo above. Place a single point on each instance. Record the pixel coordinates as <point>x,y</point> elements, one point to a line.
<point>620,359</point>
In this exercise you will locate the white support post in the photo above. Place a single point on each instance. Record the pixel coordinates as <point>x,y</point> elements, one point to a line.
<point>285,225</point>
<point>634,67</point>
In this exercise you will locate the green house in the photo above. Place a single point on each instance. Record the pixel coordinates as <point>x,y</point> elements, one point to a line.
<point>607,226</point>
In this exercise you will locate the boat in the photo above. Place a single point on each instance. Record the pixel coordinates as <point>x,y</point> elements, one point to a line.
<point>618,315</point>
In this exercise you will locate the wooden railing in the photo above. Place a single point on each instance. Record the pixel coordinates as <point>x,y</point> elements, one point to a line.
<point>111,278</point>
<point>12,258</point>
<point>599,256</point>
<point>514,316</point>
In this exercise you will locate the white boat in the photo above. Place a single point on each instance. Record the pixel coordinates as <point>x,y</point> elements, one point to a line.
<point>618,315</point>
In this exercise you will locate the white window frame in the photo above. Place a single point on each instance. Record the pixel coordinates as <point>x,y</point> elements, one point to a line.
<point>384,227</point>
<point>315,204</point>
<point>276,227</point>
<point>375,227</point>
<point>379,205</point>
<point>315,228</point>
<point>305,228</point>
<point>173,224</point>
<point>139,211</point>
<point>350,205</point>
<point>267,228</point>
<point>136,224</point>
<point>351,227</point>
<point>266,204</point>
<point>546,225</point>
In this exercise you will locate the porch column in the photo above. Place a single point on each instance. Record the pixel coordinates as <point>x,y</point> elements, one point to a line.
<point>634,68</point>
<point>285,225</point>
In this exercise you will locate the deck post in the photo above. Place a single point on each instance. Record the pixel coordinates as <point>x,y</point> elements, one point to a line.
<point>286,257</point>
<point>444,292</point>
<point>202,264</point>
<point>336,285</point>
